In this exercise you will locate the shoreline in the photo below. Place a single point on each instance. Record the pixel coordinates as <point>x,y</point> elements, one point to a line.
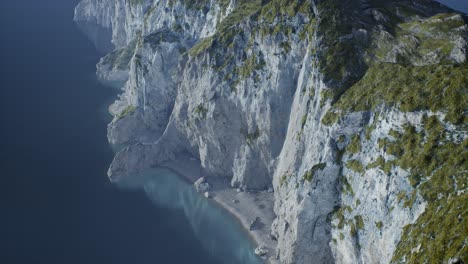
<point>245,207</point>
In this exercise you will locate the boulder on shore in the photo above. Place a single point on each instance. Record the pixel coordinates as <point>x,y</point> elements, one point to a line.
<point>261,251</point>
<point>201,185</point>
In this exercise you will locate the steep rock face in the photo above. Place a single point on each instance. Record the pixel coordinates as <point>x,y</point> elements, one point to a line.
<point>345,108</point>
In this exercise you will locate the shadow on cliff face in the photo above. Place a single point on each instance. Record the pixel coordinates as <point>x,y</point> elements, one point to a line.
<point>216,230</point>
<point>98,35</point>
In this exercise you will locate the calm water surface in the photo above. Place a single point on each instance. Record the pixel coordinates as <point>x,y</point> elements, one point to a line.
<point>56,204</point>
<point>461,5</point>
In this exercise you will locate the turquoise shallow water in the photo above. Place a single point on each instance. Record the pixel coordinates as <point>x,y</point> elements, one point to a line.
<point>218,231</point>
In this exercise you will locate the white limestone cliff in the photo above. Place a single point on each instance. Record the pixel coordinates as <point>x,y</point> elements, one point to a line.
<point>250,106</point>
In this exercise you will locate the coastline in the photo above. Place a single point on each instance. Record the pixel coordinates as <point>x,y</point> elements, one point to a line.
<point>245,206</point>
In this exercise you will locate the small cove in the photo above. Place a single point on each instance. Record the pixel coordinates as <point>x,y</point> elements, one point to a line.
<point>218,231</point>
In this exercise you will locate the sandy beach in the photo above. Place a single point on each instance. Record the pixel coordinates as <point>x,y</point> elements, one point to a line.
<point>246,206</point>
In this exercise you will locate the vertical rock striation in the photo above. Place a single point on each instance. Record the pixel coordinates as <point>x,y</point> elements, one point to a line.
<point>347,109</point>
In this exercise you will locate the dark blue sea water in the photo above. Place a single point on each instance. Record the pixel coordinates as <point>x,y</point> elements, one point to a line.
<point>461,5</point>
<point>56,203</point>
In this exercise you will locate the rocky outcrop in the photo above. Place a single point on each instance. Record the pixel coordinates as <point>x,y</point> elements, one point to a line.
<point>345,108</point>
<point>201,185</point>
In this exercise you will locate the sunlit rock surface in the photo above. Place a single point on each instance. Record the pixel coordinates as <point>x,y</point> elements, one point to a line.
<point>346,109</point>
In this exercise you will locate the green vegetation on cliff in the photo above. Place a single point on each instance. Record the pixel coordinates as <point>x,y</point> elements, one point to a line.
<point>309,175</point>
<point>201,46</point>
<point>355,165</point>
<point>439,171</point>
<point>200,111</point>
<point>409,88</point>
<point>126,111</point>
<point>120,59</point>
<point>401,35</point>
<point>232,49</point>
<point>355,145</point>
